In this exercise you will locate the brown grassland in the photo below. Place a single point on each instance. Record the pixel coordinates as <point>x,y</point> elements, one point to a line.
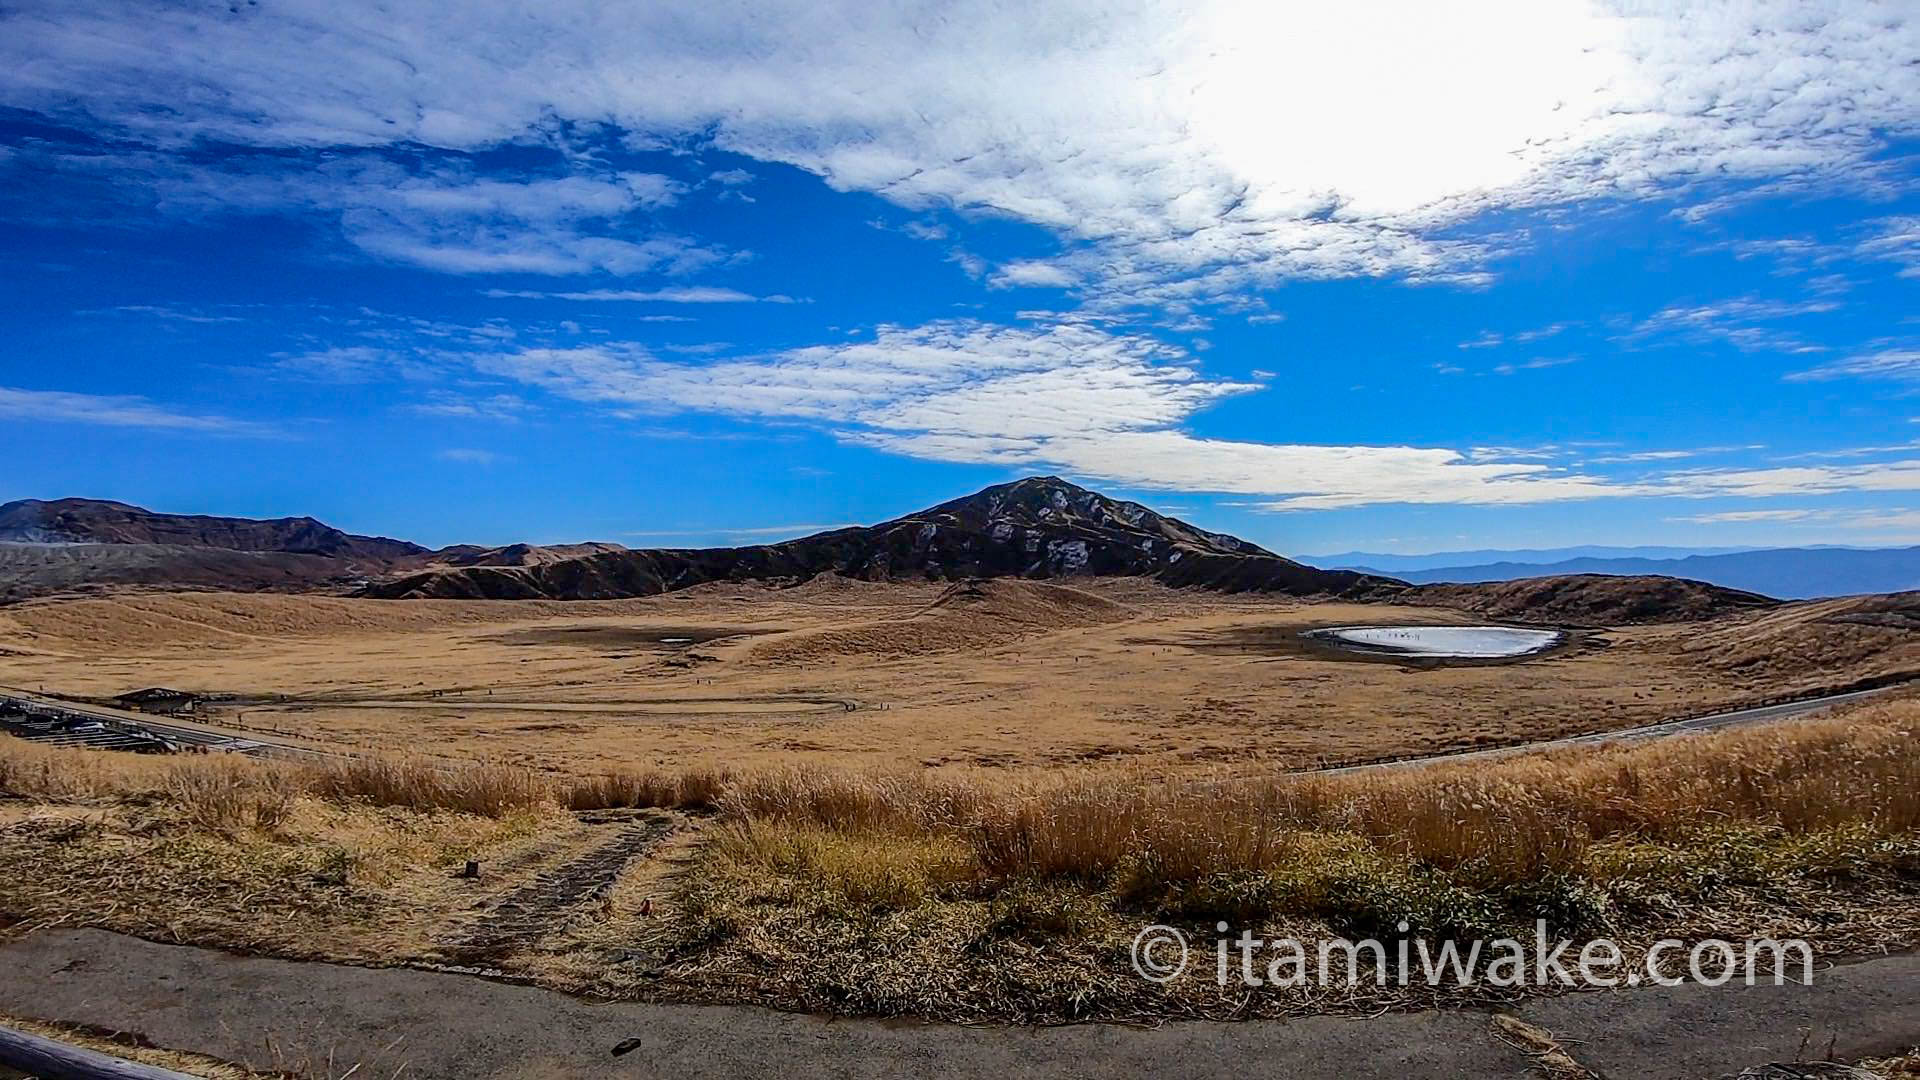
<point>1010,674</point>
<point>976,894</point>
<point>956,802</point>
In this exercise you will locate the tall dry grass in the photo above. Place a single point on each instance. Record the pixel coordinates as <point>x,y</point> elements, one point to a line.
<point>1501,821</point>
<point>487,790</point>
<point>694,789</point>
<point>226,792</point>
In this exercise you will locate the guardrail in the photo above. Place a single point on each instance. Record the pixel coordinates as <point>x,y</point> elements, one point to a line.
<point>49,1059</point>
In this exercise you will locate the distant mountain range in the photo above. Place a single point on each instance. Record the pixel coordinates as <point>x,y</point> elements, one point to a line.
<point>1399,565</point>
<point>1787,573</point>
<point>1039,527</point>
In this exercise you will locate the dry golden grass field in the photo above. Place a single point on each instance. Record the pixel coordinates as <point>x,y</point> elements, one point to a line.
<point>1003,674</point>
<point>978,894</point>
<point>944,801</point>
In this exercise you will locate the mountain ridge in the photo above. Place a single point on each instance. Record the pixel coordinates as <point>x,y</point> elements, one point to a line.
<point>1377,562</point>
<point>1039,527</point>
<point>102,521</point>
<point>1795,573</point>
<point>1036,527</point>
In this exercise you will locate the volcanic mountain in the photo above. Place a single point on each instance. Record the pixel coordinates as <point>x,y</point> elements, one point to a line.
<point>97,521</point>
<point>89,544</point>
<point>1040,527</point>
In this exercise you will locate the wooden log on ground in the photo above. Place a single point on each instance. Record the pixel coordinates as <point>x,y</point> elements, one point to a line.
<point>48,1059</point>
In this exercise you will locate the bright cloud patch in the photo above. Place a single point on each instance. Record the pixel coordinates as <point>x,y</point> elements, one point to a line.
<point>1186,149</point>
<point>1067,396</point>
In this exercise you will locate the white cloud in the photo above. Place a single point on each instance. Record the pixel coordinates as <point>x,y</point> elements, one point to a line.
<point>1642,456</point>
<point>1109,406</point>
<point>923,230</point>
<point>1897,521</point>
<point>502,408</point>
<point>1744,516</point>
<point>1065,396</point>
<point>1490,340</point>
<point>1186,150</point>
<point>462,456</point>
<point>1744,322</point>
<point>682,294</point>
<point>1885,364</point>
<point>1535,364</point>
<point>117,410</point>
<point>1780,481</point>
<point>1033,273</point>
<point>347,364</point>
<point>441,217</point>
<point>1896,240</point>
<point>167,314</point>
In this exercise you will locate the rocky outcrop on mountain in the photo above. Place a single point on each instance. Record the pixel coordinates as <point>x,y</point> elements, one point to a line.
<point>1592,599</point>
<point>97,521</point>
<point>1040,527</point>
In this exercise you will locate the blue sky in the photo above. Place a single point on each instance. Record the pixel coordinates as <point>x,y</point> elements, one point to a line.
<point>1381,277</point>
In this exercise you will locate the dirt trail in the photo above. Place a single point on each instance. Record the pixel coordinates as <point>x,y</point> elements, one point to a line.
<point>546,903</point>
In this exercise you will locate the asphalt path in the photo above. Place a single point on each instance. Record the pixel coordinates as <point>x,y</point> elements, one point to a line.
<point>1691,725</point>
<point>196,733</point>
<point>325,1019</point>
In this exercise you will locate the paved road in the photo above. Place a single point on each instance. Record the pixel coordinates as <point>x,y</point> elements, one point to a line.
<point>194,733</point>
<point>1692,725</point>
<point>175,729</point>
<point>424,1026</point>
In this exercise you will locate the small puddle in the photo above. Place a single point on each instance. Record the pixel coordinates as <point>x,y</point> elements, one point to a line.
<point>1439,642</point>
<point>613,636</point>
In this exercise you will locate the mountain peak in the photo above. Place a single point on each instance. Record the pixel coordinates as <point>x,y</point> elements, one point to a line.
<point>1050,505</point>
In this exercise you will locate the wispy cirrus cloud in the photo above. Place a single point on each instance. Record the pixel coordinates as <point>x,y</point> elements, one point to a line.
<point>500,408</point>
<point>1535,364</point>
<point>470,456</point>
<point>676,294</point>
<point>1644,456</point>
<point>1899,363</point>
<point>1888,523</point>
<point>1489,339</point>
<point>119,410</point>
<point>1895,240</point>
<point>1748,323</point>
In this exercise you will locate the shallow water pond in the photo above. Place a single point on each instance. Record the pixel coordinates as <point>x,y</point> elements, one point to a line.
<point>1440,642</point>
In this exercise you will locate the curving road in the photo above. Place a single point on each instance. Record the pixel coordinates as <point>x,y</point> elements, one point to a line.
<point>213,736</point>
<point>1691,725</point>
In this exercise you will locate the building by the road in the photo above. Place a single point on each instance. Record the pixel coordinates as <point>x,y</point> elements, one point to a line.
<point>158,700</point>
